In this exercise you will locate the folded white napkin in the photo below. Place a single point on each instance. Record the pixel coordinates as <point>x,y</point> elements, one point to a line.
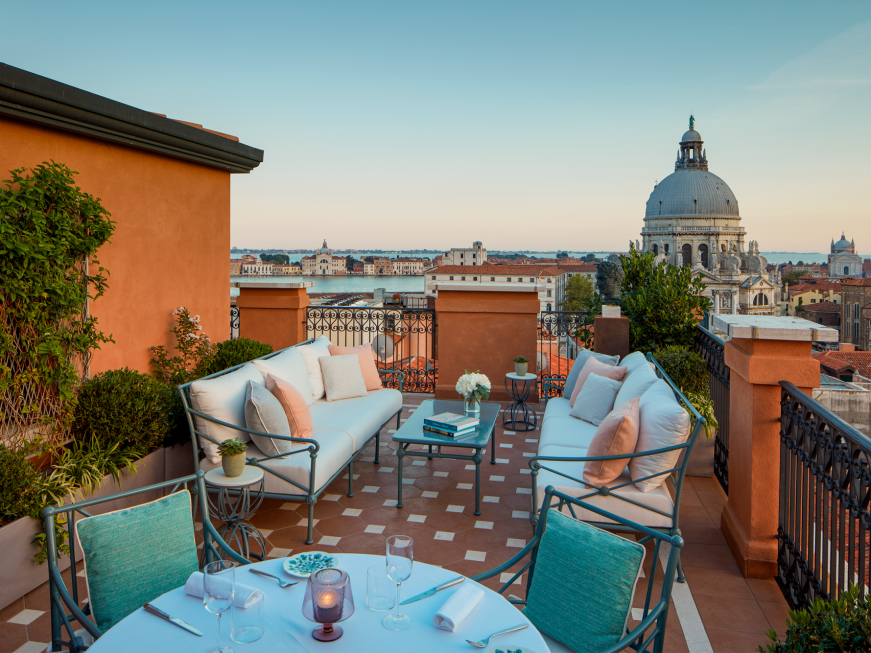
<point>245,594</point>
<point>458,606</point>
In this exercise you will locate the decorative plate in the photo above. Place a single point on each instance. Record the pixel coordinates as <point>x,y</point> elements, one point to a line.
<point>509,649</point>
<point>304,565</point>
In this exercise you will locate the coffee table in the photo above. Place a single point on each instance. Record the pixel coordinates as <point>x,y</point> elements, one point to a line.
<point>412,433</point>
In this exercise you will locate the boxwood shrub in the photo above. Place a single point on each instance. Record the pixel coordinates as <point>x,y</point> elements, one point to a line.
<point>233,352</point>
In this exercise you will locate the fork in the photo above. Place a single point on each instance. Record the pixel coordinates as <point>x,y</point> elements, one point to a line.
<point>281,583</point>
<point>484,642</point>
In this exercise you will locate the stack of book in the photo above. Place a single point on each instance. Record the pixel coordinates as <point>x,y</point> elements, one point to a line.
<point>450,424</point>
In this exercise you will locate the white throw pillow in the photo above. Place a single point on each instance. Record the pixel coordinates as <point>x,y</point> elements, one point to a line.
<point>635,384</point>
<point>634,360</point>
<point>343,378</point>
<point>664,423</point>
<point>289,366</point>
<point>596,399</point>
<point>310,354</point>
<point>223,398</point>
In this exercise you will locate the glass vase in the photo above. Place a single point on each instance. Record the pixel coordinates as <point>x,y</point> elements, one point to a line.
<point>472,406</point>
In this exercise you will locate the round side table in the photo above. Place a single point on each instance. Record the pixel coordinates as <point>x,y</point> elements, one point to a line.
<point>518,416</point>
<point>235,508</point>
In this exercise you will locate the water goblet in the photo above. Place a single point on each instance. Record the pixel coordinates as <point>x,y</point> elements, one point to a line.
<point>400,555</point>
<point>219,589</point>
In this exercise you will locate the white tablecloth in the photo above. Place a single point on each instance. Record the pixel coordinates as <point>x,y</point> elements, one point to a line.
<point>286,630</point>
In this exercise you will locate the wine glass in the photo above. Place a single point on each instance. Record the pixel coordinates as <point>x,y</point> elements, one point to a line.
<point>400,554</point>
<point>219,588</point>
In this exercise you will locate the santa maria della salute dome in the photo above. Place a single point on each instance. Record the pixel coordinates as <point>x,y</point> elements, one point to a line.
<point>692,219</point>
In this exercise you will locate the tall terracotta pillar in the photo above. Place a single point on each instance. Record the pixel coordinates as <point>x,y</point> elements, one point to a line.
<point>762,351</point>
<point>485,328</point>
<point>273,313</point>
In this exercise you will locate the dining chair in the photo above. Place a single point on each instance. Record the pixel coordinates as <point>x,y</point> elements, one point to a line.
<point>581,580</point>
<point>132,555</point>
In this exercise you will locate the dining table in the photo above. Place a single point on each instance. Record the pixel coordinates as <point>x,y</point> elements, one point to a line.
<point>288,631</point>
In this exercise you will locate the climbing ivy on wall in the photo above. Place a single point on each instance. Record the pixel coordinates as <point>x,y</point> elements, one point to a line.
<point>50,231</point>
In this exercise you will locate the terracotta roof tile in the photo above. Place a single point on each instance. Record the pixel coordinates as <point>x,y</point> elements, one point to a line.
<point>501,270</point>
<point>857,282</point>
<point>823,307</point>
<point>840,360</point>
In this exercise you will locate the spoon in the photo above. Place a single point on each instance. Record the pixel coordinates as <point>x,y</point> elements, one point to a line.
<point>484,642</point>
<point>281,583</point>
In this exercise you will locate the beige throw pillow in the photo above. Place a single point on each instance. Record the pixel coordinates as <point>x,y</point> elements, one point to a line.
<point>343,378</point>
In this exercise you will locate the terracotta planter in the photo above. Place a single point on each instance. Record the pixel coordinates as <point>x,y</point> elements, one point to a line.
<point>520,368</point>
<point>233,465</point>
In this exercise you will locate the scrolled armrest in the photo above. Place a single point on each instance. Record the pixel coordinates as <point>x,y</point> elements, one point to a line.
<point>398,373</point>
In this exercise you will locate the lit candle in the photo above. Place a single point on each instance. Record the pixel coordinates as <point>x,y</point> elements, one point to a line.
<point>328,607</point>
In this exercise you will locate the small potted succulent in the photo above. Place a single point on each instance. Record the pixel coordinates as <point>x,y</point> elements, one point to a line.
<point>521,364</point>
<point>233,457</point>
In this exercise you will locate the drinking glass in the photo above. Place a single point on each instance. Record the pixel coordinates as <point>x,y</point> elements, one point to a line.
<point>400,554</point>
<point>219,588</point>
<point>246,623</point>
<point>380,592</point>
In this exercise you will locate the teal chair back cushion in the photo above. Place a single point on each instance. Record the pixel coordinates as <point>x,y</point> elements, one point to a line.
<point>582,584</point>
<point>133,556</point>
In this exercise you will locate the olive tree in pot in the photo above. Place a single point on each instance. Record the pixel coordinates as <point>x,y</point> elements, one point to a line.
<point>233,456</point>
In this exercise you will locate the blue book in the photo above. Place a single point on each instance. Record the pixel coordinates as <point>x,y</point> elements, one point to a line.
<point>451,422</point>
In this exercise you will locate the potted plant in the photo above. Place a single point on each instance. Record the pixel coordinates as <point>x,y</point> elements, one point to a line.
<point>233,456</point>
<point>521,364</point>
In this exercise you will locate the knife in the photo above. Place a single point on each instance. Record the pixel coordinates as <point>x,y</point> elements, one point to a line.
<point>430,592</point>
<point>174,620</point>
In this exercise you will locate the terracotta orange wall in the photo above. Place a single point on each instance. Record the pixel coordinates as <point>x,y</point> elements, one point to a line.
<point>171,238</point>
<point>275,316</point>
<point>484,331</point>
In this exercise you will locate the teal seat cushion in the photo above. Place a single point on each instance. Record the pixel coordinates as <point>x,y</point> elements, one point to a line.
<point>582,584</point>
<point>132,556</point>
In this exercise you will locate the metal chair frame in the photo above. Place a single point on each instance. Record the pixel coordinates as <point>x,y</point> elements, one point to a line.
<point>61,599</point>
<point>654,617</point>
<point>538,463</point>
<point>308,494</point>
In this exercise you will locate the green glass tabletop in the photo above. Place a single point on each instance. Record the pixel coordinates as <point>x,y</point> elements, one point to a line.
<point>412,431</point>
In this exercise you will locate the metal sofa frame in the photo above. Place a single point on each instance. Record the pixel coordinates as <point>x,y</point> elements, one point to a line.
<point>308,494</point>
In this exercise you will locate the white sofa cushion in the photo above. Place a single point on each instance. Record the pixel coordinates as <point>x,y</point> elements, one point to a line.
<point>311,353</point>
<point>664,423</point>
<point>557,407</point>
<point>635,384</point>
<point>359,417</point>
<point>288,366</point>
<point>335,450</point>
<point>567,432</point>
<point>634,360</point>
<point>658,498</point>
<point>222,398</point>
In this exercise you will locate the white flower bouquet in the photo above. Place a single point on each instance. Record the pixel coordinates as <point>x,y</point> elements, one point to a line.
<point>474,386</point>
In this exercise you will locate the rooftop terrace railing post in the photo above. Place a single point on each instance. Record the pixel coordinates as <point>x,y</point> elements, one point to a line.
<point>273,313</point>
<point>762,352</point>
<point>711,348</point>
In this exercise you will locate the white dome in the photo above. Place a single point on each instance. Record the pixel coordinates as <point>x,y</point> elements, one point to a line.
<point>689,192</point>
<point>842,244</point>
<point>692,136</point>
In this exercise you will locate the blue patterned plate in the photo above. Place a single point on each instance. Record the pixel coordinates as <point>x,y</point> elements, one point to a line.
<point>304,565</point>
<point>508,649</point>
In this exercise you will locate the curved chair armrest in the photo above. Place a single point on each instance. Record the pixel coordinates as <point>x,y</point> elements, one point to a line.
<point>635,454</point>
<point>398,373</point>
<point>639,630</point>
<point>552,382</point>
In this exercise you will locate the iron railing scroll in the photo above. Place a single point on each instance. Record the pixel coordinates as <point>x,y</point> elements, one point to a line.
<point>402,339</point>
<point>234,322</point>
<point>825,486</point>
<point>560,338</point>
<point>711,348</point>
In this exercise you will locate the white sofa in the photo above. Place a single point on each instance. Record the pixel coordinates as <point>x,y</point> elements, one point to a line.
<point>341,429</point>
<point>639,493</point>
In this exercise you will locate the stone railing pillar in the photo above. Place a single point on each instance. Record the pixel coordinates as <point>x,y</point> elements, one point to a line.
<point>273,313</point>
<point>761,352</point>
<point>484,329</point>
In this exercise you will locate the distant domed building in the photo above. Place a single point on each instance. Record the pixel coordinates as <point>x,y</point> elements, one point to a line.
<point>692,220</point>
<point>323,263</point>
<point>843,260</point>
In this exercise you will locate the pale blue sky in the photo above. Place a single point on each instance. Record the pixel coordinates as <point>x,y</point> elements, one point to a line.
<point>525,125</point>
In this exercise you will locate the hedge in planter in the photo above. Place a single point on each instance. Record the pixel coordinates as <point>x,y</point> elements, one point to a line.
<point>233,352</point>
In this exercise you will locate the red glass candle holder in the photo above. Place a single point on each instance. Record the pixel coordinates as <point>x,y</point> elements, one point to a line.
<point>328,600</point>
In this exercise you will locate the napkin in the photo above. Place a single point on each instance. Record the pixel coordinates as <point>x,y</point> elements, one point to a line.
<point>245,594</point>
<point>459,605</point>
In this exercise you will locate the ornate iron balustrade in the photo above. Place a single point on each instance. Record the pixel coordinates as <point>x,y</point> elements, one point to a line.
<point>825,486</point>
<point>560,338</point>
<point>710,347</point>
<point>234,323</point>
<point>403,339</point>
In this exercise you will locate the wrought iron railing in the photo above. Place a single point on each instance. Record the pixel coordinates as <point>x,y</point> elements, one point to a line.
<point>234,322</point>
<point>825,486</point>
<point>403,339</point>
<point>560,337</point>
<point>711,348</point>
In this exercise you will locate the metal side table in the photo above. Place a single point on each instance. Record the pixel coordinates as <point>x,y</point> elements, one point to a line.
<point>518,416</point>
<point>236,501</point>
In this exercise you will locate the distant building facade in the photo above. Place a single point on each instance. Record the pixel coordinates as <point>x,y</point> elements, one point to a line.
<point>843,260</point>
<point>474,255</point>
<point>410,266</point>
<point>587,270</point>
<point>380,266</point>
<point>323,263</point>
<point>856,312</point>
<point>235,267</point>
<point>542,276</point>
<point>285,269</point>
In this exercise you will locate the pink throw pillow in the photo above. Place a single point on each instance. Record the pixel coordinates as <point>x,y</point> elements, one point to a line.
<point>597,367</point>
<point>367,363</point>
<point>617,434</point>
<point>298,414</point>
